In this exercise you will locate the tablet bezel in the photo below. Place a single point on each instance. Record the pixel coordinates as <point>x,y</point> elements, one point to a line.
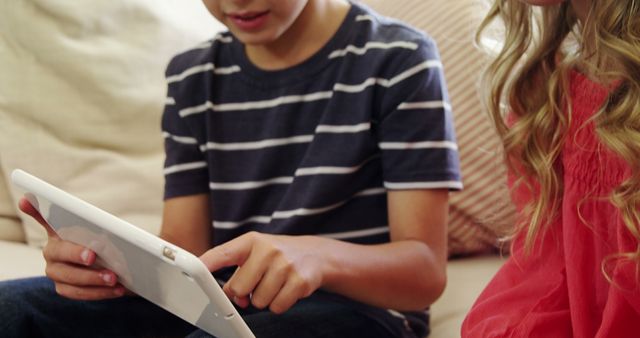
<point>153,268</point>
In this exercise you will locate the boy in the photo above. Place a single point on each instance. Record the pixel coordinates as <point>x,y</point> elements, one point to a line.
<point>312,147</point>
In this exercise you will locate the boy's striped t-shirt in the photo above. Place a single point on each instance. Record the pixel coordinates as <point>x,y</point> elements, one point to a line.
<point>312,149</point>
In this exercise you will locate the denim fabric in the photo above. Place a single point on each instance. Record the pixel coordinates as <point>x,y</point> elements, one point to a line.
<point>313,317</point>
<point>31,308</point>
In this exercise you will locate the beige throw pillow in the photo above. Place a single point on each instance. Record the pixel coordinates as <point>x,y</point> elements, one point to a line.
<point>81,95</point>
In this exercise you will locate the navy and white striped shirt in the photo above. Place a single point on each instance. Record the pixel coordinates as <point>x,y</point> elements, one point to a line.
<point>312,149</point>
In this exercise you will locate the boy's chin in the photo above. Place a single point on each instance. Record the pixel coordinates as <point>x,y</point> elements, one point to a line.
<point>260,39</point>
<point>256,42</point>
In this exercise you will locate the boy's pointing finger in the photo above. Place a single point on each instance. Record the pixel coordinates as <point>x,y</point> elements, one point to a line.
<point>234,252</point>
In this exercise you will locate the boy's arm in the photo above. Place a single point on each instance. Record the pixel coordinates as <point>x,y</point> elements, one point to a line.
<point>406,274</point>
<point>186,223</point>
<point>410,272</point>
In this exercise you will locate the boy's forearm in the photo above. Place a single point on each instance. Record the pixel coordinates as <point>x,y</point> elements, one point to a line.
<point>402,275</point>
<point>185,223</point>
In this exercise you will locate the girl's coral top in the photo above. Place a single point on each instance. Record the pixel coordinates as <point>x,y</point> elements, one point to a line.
<point>560,289</point>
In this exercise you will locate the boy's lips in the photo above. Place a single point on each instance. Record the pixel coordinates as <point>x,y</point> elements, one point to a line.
<point>249,20</point>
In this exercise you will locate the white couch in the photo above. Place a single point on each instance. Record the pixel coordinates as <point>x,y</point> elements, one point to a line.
<point>81,94</point>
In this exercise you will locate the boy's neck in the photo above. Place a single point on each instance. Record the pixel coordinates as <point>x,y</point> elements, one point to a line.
<point>315,26</point>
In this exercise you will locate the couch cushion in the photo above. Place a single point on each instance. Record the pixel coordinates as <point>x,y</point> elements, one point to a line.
<point>10,225</point>
<point>81,95</point>
<point>482,212</point>
<point>17,260</point>
<point>466,278</point>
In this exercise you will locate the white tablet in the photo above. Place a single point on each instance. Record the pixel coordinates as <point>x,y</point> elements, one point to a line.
<point>155,269</point>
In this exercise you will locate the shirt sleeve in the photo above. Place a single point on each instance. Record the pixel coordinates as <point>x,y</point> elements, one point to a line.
<point>415,133</point>
<point>185,167</point>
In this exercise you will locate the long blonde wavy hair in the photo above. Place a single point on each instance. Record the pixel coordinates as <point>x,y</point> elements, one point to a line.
<point>528,77</point>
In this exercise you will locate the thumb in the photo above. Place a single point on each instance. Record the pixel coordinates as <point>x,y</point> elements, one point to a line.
<point>27,207</point>
<point>234,252</point>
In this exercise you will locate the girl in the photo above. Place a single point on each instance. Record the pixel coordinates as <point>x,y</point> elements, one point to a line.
<point>569,77</point>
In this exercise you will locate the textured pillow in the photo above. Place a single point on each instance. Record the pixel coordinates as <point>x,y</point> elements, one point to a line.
<point>81,95</point>
<point>482,212</point>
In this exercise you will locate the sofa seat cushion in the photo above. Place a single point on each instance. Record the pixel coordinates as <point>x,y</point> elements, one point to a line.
<point>19,260</point>
<point>466,278</point>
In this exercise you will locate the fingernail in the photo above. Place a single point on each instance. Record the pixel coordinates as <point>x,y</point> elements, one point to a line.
<point>107,278</point>
<point>85,256</point>
<point>236,300</point>
<point>118,291</point>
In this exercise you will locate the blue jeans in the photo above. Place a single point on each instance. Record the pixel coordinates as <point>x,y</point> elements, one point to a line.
<point>32,308</point>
